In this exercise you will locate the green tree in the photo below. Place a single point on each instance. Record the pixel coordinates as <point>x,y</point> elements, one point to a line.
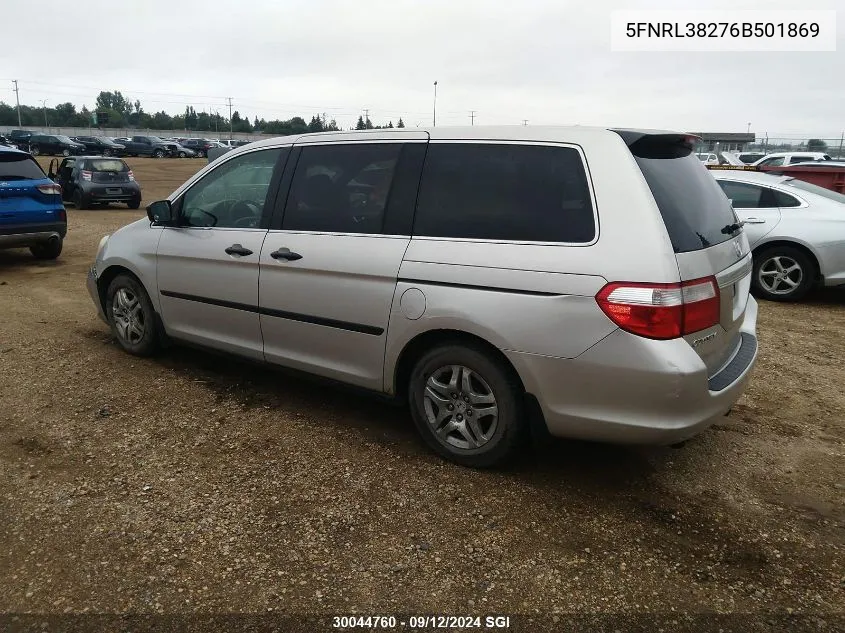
<point>401,123</point>
<point>816,145</point>
<point>360,125</point>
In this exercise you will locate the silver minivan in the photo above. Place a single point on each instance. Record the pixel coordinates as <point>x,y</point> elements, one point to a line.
<point>588,282</point>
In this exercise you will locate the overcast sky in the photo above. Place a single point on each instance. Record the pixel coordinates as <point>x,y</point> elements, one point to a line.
<point>546,61</point>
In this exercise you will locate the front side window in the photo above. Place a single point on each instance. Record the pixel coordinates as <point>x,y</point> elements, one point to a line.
<point>772,162</point>
<point>745,196</point>
<point>341,188</point>
<point>234,194</point>
<point>509,192</point>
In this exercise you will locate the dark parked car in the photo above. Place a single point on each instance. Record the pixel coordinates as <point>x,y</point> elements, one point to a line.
<point>89,180</point>
<point>54,144</point>
<point>101,145</point>
<point>5,142</point>
<point>31,210</point>
<point>20,139</point>
<point>148,146</point>
<point>199,145</point>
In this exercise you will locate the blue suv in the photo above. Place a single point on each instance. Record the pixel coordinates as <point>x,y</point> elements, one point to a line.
<point>31,210</point>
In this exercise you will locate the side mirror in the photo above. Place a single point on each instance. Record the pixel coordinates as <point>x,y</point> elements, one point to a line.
<point>161,212</point>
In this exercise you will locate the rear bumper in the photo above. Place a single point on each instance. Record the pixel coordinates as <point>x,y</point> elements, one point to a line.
<point>629,389</point>
<point>20,235</point>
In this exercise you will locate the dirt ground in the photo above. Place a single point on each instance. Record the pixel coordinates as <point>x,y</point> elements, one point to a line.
<point>190,483</point>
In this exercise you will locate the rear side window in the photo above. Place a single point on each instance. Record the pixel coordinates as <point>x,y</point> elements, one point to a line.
<point>14,166</point>
<point>505,192</point>
<point>694,209</point>
<point>745,196</point>
<point>341,188</point>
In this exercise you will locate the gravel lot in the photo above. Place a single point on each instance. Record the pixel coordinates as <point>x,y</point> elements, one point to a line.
<point>190,483</point>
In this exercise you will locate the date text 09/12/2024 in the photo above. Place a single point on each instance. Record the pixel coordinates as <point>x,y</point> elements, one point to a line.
<point>421,621</point>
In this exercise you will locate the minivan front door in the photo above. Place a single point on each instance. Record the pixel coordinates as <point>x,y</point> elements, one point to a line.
<point>329,265</point>
<point>208,265</point>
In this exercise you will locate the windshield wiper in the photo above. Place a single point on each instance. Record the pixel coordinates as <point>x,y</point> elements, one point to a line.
<point>730,229</point>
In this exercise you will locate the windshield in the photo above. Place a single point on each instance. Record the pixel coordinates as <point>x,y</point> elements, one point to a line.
<point>14,166</point>
<point>106,164</point>
<point>65,139</point>
<point>155,139</point>
<point>819,191</point>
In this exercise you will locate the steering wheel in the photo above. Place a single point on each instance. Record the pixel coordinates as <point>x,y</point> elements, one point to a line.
<point>250,211</point>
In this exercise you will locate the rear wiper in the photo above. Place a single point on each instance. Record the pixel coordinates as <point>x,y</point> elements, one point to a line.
<point>2,177</point>
<point>732,228</point>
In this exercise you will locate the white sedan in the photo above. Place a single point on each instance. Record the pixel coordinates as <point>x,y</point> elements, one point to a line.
<point>796,231</point>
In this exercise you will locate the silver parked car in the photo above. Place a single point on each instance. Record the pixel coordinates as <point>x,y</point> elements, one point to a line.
<point>796,231</point>
<point>595,281</point>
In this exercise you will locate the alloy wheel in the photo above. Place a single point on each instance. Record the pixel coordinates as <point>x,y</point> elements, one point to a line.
<point>128,314</point>
<point>460,407</point>
<point>780,275</point>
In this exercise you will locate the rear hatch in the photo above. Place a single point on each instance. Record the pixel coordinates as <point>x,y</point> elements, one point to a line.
<point>704,231</point>
<point>108,170</point>
<point>21,202</point>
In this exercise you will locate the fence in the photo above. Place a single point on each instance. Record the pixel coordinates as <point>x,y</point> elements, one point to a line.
<point>834,147</point>
<point>120,132</point>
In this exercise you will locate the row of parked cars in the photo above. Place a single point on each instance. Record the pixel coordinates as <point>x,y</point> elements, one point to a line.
<point>140,145</point>
<point>759,159</point>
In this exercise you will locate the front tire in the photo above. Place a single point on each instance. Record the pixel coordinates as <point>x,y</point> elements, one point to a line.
<point>35,150</point>
<point>47,250</point>
<point>182,155</point>
<point>467,405</point>
<point>131,316</point>
<point>134,204</point>
<point>783,273</point>
<point>65,152</point>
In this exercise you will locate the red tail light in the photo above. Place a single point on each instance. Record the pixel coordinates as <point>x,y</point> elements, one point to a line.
<point>63,216</point>
<point>662,311</point>
<point>131,175</point>
<point>86,175</point>
<point>50,190</point>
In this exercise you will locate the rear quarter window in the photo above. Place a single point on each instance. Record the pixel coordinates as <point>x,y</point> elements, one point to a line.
<point>513,192</point>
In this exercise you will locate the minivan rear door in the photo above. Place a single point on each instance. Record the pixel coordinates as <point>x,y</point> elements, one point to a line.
<point>704,232</point>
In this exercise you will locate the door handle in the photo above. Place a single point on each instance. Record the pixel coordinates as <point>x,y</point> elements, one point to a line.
<point>285,253</point>
<point>237,249</point>
<point>754,221</point>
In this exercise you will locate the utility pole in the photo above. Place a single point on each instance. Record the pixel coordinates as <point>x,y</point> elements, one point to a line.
<point>44,105</point>
<point>434,117</point>
<point>524,121</point>
<point>366,116</point>
<point>472,117</point>
<point>230,117</point>
<point>18,100</point>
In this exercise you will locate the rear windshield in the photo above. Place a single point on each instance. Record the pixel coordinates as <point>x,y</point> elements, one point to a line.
<point>106,164</point>
<point>696,213</point>
<point>819,191</point>
<point>14,166</point>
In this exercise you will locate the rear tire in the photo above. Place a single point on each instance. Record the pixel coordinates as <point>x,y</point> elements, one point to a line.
<point>65,152</point>
<point>468,405</point>
<point>131,316</point>
<point>47,250</point>
<point>134,204</point>
<point>34,150</point>
<point>182,155</point>
<point>783,273</point>
<point>158,153</point>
